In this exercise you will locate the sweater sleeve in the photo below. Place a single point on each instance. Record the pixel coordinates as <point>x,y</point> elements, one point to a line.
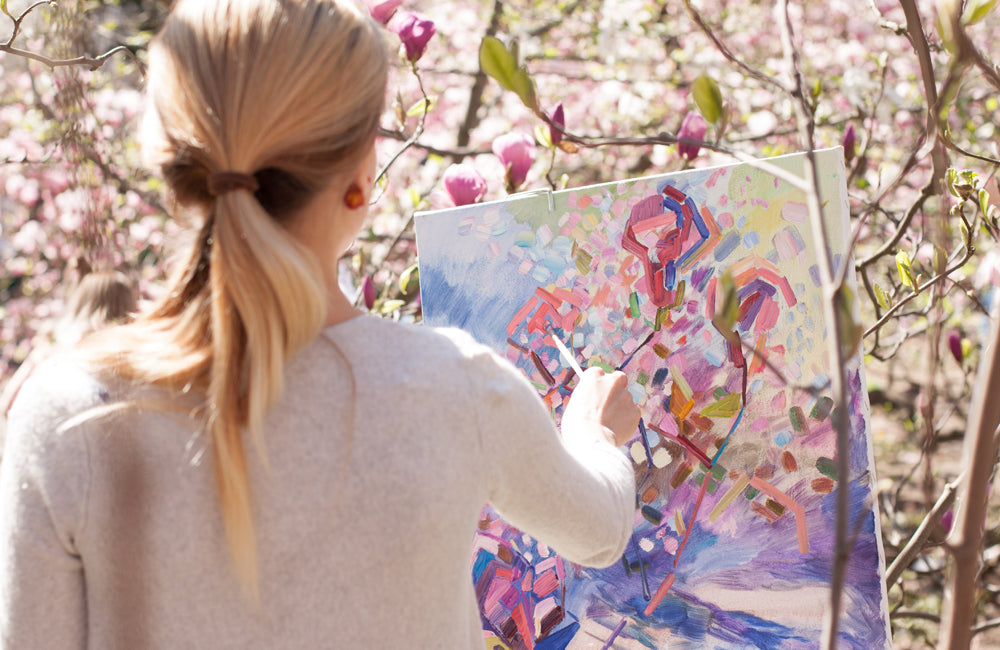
<point>42,488</point>
<point>576,493</point>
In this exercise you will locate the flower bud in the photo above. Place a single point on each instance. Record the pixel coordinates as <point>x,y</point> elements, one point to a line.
<point>516,152</point>
<point>415,30</point>
<point>558,125</point>
<point>947,519</point>
<point>383,11</point>
<point>849,143</point>
<point>464,184</point>
<point>368,292</point>
<point>693,127</point>
<point>955,345</point>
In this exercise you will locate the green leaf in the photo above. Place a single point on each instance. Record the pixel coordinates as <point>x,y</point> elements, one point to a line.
<point>525,89</point>
<point>497,61</point>
<point>880,297</point>
<point>390,306</point>
<point>708,98</point>
<point>906,270</point>
<point>984,202</point>
<point>950,176</point>
<point>409,280</point>
<point>976,10</point>
<point>945,30</point>
<point>501,64</point>
<point>421,107</point>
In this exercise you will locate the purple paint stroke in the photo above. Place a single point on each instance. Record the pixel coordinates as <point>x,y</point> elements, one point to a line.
<point>614,634</point>
<point>640,346</point>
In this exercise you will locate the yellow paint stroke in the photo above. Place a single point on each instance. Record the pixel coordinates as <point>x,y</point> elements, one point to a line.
<point>679,522</point>
<point>680,382</point>
<point>734,491</point>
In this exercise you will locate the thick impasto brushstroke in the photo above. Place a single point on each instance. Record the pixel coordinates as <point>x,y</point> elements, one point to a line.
<point>735,458</point>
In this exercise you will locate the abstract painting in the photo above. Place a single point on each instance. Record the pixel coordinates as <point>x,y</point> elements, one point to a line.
<point>735,455</point>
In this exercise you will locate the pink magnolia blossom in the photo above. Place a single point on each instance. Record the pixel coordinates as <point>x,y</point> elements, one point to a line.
<point>693,127</point>
<point>383,11</point>
<point>464,184</point>
<point>414,30</point>
<point>516,152</point>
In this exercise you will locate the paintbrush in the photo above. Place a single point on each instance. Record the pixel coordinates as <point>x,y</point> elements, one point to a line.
<point>566,354</point>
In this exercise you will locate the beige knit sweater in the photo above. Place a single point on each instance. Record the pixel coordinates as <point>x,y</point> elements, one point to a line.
<point>110,534</point>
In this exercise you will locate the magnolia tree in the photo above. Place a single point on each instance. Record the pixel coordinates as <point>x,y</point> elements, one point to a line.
<point>489,98</point>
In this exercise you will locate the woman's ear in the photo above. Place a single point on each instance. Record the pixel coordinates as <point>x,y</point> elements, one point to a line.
<point>359,189</point>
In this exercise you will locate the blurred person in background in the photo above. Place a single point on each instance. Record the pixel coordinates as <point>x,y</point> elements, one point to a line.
<point>99,299</point>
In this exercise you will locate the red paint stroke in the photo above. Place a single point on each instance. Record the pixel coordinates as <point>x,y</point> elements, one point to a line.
<point>521,621</point>
<point>687,444</point>
<point>754,266</point>
<point>661,591</point>
<point>687,532</point>
<point>521,314</point>
<point>568,296</point>
<point>547,297</point>
<point>537,322</point>
<point>790,504</point>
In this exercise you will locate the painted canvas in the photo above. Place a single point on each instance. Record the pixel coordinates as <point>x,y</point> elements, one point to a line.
<point>735,456</point>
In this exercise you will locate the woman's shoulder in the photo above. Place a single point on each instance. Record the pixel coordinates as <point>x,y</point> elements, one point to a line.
<point>59,392</point>
<point>58,388</point>
<point>413,339</point>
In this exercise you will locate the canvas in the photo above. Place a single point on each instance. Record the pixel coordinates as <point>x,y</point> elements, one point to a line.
<point>735,457</point>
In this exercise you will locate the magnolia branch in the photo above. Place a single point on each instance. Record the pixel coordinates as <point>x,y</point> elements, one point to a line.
<point>93,62</point>
<point>917,541</point>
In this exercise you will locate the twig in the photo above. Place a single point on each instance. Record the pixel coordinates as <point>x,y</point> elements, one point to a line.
<point>416,132</point>
<point>969,251</point>
<point>832,296</point>
<point>916,542</point>
<point>721,47</point>
<point>94,62</point>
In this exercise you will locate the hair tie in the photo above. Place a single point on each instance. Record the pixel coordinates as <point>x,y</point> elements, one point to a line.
<point>223,182</point>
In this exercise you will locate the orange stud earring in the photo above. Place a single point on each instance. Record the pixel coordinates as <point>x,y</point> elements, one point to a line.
<point>354,198</point>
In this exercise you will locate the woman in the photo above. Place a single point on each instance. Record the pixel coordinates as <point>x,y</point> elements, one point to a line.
<point>131,516</point>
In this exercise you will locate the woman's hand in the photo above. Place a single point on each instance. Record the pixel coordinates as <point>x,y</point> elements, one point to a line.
<point>604,398</point>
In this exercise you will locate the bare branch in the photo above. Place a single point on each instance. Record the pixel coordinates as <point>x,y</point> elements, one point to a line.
<point>917,541</point>
<point>725,51</point>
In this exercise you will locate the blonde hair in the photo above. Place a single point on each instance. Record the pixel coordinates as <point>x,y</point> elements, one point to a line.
<point>290,92</point>
<point>101,298</point>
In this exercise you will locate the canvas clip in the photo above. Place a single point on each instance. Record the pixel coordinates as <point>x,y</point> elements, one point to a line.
<point>540,190</point>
